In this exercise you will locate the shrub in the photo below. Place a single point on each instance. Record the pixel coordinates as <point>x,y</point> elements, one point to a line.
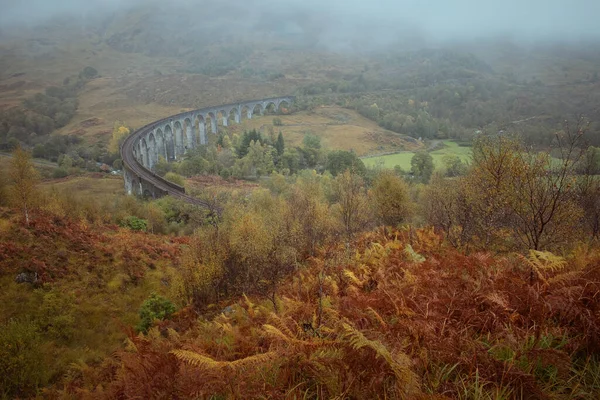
<point>21,368</point>
<point>134,223</point>
<point>175,178</point>
<point>89,73</point>
<point>59,172</point>
<point>155,307</point>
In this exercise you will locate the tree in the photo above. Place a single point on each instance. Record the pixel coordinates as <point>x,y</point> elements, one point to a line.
<point>119,133</point>
<point>454,166</point>
<point>246,140</point>
<point>529,192</point>
<point>391,201</point>
<point>340,160</point>
<point>23,178</point>
<point>422,166</point>
<point>311,141</point>
<point>280,145</point>
<point>352,203</point>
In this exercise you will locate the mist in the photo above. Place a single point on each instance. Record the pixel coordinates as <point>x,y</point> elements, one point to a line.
<point>338,25</point>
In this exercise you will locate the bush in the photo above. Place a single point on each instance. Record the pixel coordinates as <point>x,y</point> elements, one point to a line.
<point>89,73</point>
<point>59,172</point>
<point>155,307</point>
<point>277,122</point>
<point>22,368</point>
<point>175,178</point>
<point>134,223</point>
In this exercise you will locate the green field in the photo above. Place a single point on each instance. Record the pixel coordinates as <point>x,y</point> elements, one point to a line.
<point>402,159</point>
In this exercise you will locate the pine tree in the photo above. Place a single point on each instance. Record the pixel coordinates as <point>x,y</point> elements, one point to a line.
<point>280,145</point>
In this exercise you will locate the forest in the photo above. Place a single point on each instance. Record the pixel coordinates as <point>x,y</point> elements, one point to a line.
<point>422,222</point>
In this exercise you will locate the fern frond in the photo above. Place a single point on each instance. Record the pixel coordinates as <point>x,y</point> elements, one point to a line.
<point>173,334</point>
<point>412,255</point>
<point>545,261</point>
<point>350,275</point>
<point>273,331</point>
<point>130,346</point>
<point>564,277</point>
<point>277,322</point>
<point>276,333</point>
<point>400,364</point>
<point>201,361</point>
<point>250,306</point>
<point>376,317</point>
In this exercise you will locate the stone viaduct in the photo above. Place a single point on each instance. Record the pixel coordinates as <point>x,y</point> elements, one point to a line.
<point>171,137</point>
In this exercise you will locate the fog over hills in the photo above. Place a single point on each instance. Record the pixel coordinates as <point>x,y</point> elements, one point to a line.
<point>341,25</point>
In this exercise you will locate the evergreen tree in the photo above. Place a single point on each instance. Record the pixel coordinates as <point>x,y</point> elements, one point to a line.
<point>280,145</point>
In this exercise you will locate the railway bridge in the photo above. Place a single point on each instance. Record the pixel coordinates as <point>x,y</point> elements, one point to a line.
<point>172,136</point>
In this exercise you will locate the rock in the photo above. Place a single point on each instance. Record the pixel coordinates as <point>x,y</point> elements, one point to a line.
<point>27,277</point>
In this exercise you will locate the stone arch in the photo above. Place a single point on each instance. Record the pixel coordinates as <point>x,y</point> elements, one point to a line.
<point>190,135</point>
<point>245,112</point>
<point>160,144</point>
<point>233,114</point>
<point>258,109</point>
<point>283,106</point>
<point>169,143</point>
<point>270,107</point>
<point>145,155</point>
<point>179,139</point>
<point>222,117</point>
<point>152,153</point>
<point>201,124</point>
<point>213,121</point>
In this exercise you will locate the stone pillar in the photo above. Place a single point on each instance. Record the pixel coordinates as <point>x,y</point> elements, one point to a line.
<point>213,124</point>
<point>202,129</point>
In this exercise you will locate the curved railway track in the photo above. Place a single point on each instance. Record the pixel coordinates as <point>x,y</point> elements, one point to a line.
<point>159,182</point>
<point>137,160</point>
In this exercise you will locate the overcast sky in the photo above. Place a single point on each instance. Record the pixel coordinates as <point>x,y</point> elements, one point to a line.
<point>439,19</point>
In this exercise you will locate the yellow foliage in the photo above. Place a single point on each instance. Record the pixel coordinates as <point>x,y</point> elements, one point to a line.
<point>119,133</point>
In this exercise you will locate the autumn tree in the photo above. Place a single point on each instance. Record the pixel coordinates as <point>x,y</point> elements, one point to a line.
<point>448,206</point>
<point>421,166</point>
<point>352,203</point>
<point>390,198</point>
<point>119,133</point>
<point>529,192</point>
<point>23,179</point>
<point>309,212</point>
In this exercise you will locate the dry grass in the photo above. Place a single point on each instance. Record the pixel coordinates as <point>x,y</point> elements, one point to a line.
<point>91,185</point>
<point>337,127</point>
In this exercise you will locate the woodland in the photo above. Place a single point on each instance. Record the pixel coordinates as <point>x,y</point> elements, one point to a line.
<point>312,273</point>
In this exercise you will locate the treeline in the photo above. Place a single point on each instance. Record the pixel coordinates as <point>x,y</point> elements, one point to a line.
<point>41,114</point>
<point>444,94</point>
<point>252,155</point>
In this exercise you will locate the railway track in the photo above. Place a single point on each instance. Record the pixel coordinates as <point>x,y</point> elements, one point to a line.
<point>169,188</point>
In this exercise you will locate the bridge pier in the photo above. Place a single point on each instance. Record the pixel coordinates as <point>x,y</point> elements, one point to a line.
<point>171,137</point>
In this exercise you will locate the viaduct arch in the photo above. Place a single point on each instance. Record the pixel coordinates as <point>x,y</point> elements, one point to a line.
<point>172,136</point>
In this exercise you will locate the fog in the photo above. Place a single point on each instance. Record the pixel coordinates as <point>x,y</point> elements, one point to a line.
<point>382,21</point>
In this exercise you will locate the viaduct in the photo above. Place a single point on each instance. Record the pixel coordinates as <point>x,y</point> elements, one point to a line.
<point>172,136</point>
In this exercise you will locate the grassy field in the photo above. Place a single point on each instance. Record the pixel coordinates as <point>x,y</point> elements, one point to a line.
<point>338,128</point>
<point>402,159</point>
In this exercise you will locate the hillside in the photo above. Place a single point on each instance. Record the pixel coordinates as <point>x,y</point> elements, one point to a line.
<point>423,222</point>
